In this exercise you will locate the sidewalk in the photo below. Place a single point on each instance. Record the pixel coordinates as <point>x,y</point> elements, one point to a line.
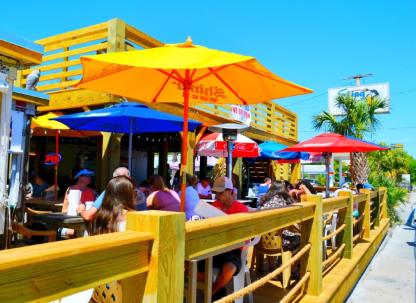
<point>391,275</point>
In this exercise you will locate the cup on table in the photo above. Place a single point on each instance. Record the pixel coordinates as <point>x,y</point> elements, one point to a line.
<point>88,205</point>
<point>213,196</point>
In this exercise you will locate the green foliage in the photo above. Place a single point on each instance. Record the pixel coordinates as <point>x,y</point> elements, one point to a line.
<point>392,163</point>
<point>321,179</point>
<point>395,195</point>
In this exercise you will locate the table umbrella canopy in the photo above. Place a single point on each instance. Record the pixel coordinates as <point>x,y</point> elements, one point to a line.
<point>44,126</point>
<point>185,73</point>
<point>125,117</point>
<point>272,150</point>
<point>214,145</point>
<point>158,75</point>
<point>334,143</point>
<point>328,143</point>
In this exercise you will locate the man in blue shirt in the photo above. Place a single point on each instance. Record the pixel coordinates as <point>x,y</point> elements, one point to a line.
<point>90,213</point>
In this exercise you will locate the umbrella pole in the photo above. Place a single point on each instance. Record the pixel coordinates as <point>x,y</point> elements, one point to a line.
<point>327,159</point>
<point>186,86</point>
<point>130,143</point>
<point>230,159</point>
<point>56,165</point>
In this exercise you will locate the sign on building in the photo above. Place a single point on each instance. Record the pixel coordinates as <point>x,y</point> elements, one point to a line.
<point>241,113</point>
<point>362,92</point>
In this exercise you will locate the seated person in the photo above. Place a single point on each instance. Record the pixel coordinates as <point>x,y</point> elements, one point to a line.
<point>162,198</point>
<point>204,189</point>
<point>229,262</point>
<point>40,186</point>
<point>264,187</point>
<point>191,197</point>
<point>89,214</point>
<point>83,179</point>
<point>303,187</point>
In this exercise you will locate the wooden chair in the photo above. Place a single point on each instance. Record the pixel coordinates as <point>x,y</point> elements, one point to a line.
<point>271,245</point>
<point>107,293</point>
<point>27,235</point>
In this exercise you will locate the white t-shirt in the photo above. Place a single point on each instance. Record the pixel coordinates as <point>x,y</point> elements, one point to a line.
<point>203,190</point>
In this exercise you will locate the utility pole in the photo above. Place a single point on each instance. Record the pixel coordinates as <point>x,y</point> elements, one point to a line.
<point>358,78</point>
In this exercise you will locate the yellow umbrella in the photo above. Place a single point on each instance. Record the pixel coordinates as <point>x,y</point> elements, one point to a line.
<point>185,73</point>
<point>42,125</point>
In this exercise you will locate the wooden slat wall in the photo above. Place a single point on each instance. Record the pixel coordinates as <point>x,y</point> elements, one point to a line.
<point>61,70</point>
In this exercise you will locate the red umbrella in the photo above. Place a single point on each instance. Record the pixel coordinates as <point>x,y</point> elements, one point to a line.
<point>214,145</point>
<point>328,143</point>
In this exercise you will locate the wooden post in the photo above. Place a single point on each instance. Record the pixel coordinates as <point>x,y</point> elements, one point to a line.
<point>347,235</point>
<point>295,173</point>
<point>378,212</point>
<point>164,282</point>
<point>384,209</point>
<point>367,214</point>
<point>190,152</point>
<point>116,35</point>
<point>315,254</point>
<point>110,154</point>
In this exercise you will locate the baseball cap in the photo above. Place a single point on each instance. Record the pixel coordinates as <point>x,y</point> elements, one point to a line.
<point>367,186</point>
<point>84,172</point>
<point>221,184</point>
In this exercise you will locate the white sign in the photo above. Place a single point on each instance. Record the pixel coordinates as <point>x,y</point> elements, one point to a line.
<point>241,113</point>
<point>361,92</point>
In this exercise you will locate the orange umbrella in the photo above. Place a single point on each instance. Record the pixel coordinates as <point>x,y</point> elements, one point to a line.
<point>185,73</point>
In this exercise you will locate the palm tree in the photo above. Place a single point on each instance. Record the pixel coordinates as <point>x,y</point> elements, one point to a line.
<point>359,119</point>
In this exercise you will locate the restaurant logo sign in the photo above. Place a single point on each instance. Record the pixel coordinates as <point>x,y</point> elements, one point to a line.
<point>52,158</point>
<point>204,93</point>
<point>241,113</point>
<point>362,92</point>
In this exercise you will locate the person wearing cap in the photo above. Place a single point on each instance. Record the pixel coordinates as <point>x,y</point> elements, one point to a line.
<point>83,179</point>
<point>89,214</point>
<point>229,263</point>
<point>204,189</point>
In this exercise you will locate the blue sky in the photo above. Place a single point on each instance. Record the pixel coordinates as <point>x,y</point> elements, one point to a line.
<point>314,43</point>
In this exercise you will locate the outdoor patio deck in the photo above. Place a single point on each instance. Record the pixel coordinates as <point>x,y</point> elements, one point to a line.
<point>149,257</point>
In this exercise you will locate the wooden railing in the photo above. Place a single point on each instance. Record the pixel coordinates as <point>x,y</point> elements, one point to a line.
<point>149,258</point>
<point>61,70</point>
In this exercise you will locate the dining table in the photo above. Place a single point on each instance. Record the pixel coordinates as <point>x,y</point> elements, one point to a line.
<point>56,220</point>
<point>42,204</point>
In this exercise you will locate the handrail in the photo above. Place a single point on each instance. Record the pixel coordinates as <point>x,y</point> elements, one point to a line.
<point>50,271</point>
<point>149,257</point>
<point>212,234</point>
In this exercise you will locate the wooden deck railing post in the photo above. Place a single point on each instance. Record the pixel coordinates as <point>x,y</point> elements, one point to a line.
<point>347,235</point>
<point>367,214</point>
<point>377,201</point>
<point>384,201</point>
<point>165,280</point>
<point>314,264</point>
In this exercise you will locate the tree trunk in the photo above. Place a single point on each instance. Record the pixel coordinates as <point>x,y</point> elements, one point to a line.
<point>360,168</point>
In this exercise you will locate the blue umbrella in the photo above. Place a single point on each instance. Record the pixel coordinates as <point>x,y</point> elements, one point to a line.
<point>272,150</point>
<point>127,117</point>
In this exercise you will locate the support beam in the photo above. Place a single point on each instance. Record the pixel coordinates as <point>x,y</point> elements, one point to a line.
<point>165,279</point>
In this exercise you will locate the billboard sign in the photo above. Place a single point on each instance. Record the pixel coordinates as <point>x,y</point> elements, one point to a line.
<point>362,92</point>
